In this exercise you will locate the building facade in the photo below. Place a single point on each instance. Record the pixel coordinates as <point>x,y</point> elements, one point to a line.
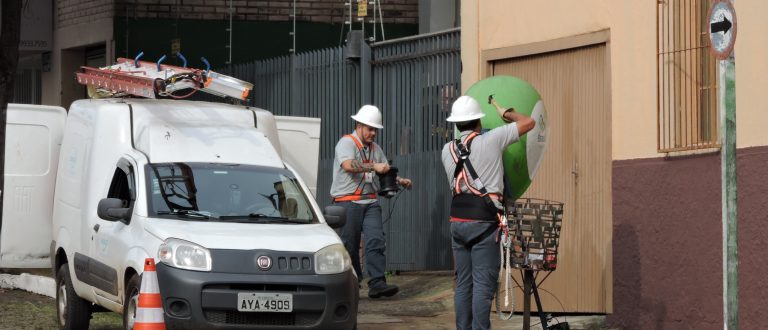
<point>632,97</point>
<point>96,32</point>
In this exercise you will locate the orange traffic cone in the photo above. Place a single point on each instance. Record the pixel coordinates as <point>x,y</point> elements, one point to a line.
<point>149,311</point>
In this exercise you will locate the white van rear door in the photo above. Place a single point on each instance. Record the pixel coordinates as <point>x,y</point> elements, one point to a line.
<point>33,138</point>
<point>300,146</point>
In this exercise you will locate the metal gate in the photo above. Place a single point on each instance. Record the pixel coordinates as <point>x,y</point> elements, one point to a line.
<point>413,81</point>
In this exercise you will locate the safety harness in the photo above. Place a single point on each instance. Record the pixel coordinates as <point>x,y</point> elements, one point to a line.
<point>477,205</point>
<point>358,194</point>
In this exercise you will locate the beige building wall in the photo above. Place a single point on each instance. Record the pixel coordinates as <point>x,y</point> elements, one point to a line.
<point>494,24</point>
<point>751,73</point>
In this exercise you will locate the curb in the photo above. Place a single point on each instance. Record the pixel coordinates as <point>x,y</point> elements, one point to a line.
<point>41,285</point>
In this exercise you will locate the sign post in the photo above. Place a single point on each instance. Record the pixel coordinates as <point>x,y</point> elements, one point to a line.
<point>722,36</point>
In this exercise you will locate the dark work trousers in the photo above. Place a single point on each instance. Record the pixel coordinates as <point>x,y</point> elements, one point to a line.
<point>477,259</point>
<point>365,218</point>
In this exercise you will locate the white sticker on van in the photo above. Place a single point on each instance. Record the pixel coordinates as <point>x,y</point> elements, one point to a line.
<point>155,187</point>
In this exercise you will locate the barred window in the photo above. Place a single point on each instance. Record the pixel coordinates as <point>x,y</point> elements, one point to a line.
<point>686,76</point>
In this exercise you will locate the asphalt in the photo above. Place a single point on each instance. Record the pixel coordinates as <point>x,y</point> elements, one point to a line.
<point>425,301</point>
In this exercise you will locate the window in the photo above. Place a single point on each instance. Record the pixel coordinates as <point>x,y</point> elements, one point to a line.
<point>686,76</point>
<point>227,192</point>
<point>122,186</point>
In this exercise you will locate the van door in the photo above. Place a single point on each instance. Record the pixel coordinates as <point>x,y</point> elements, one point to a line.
<point>32,141</point>
<point>111,238</point>
<point>300,146</point>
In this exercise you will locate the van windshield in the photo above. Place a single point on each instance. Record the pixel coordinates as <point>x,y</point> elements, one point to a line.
<point>226,192</point>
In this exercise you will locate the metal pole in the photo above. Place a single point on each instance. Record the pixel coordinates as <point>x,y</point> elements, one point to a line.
<point>361,19</point>
<point>366,72</point>
<point>230,33</point>
<point>293,33</point>
<point>727,107</point>
<point>381,20</point>
<point>350,17</point>
<point>527,289</point>
<point>542,316</point>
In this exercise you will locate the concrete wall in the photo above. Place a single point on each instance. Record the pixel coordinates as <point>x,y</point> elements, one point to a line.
<point>751,72</point>
<point>69,42</point>
<point>667,243</point>
<point>492,24</point>
<point>72,12</point>
<point>261,30</point>
<point>438,15</point>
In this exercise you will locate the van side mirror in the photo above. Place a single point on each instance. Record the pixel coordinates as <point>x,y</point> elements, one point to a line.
<point>335,216</point>
<point>111,209</point>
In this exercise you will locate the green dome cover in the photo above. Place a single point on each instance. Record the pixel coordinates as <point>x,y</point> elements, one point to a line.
<point>522,158</point>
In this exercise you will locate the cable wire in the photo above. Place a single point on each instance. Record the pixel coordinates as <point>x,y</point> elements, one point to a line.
<point>392,206</point>
<point>561,307</point>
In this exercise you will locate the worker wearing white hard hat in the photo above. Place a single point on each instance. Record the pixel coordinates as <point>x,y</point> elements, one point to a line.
<point>357,158</point>
<point>368,115</point>
<point>474,168</point>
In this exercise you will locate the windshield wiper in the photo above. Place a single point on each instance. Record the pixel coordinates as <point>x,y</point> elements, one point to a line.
<point>187,213</point>
<point>262,218</point>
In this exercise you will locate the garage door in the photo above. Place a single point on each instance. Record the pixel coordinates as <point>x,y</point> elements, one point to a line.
<point>576,170</point>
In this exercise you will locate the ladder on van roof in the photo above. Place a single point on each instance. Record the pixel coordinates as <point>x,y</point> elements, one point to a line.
<point>150,80</point>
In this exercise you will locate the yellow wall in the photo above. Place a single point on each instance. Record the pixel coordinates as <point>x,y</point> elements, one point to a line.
<point>751,73</point>
<point>492,24</point>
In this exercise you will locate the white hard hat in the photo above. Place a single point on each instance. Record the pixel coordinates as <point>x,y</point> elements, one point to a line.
<point>465,108</point>
<point>369,115</point>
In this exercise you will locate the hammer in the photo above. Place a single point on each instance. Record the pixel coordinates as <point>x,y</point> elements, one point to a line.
<point>499,108</point>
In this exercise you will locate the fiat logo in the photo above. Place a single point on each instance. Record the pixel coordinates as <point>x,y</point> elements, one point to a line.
<point>264,262</point>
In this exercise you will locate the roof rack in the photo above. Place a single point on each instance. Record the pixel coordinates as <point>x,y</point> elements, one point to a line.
<point>150,80</point>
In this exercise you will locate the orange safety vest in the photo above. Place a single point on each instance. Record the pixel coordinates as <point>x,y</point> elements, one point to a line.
<point>358,194</point>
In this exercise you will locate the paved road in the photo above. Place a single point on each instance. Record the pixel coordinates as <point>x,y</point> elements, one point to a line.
<point>425,302</point>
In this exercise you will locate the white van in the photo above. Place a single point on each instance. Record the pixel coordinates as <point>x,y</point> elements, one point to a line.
<point>213,192</point>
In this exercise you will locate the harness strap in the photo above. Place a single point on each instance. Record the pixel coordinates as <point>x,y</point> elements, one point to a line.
<point>464,169</point>
<point>354,197</point>
<point>465,173</point>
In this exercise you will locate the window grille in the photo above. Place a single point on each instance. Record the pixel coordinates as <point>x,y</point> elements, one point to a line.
<point>686,76</point>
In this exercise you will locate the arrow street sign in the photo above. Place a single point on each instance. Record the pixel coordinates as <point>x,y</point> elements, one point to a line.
<point>722,28</point>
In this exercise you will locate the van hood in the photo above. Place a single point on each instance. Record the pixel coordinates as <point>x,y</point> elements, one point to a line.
<point>245,236</point>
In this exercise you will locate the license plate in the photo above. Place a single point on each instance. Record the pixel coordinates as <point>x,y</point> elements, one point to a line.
<point>264,302</point>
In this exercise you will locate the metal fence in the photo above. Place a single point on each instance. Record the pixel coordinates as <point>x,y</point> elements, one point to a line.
<point>414,81</point>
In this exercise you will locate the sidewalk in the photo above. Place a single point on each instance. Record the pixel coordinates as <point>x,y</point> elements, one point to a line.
<point>425,301</point>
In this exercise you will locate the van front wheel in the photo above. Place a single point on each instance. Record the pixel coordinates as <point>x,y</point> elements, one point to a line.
<point>131,301</point>
<point>72,312</point>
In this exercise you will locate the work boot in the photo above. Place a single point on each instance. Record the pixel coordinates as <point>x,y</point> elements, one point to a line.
<point>383,290</point>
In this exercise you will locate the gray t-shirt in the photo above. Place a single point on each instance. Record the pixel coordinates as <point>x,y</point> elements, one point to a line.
<point>485,154</point>
<point>345,183</point>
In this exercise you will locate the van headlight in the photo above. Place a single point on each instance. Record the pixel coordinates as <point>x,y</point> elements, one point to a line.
<point>332,259</point>
<point>185,255</point>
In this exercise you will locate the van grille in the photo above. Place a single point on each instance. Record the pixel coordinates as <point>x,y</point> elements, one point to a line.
<point>246,262</point>
<point>269,319</point>
<point>240,287</point>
